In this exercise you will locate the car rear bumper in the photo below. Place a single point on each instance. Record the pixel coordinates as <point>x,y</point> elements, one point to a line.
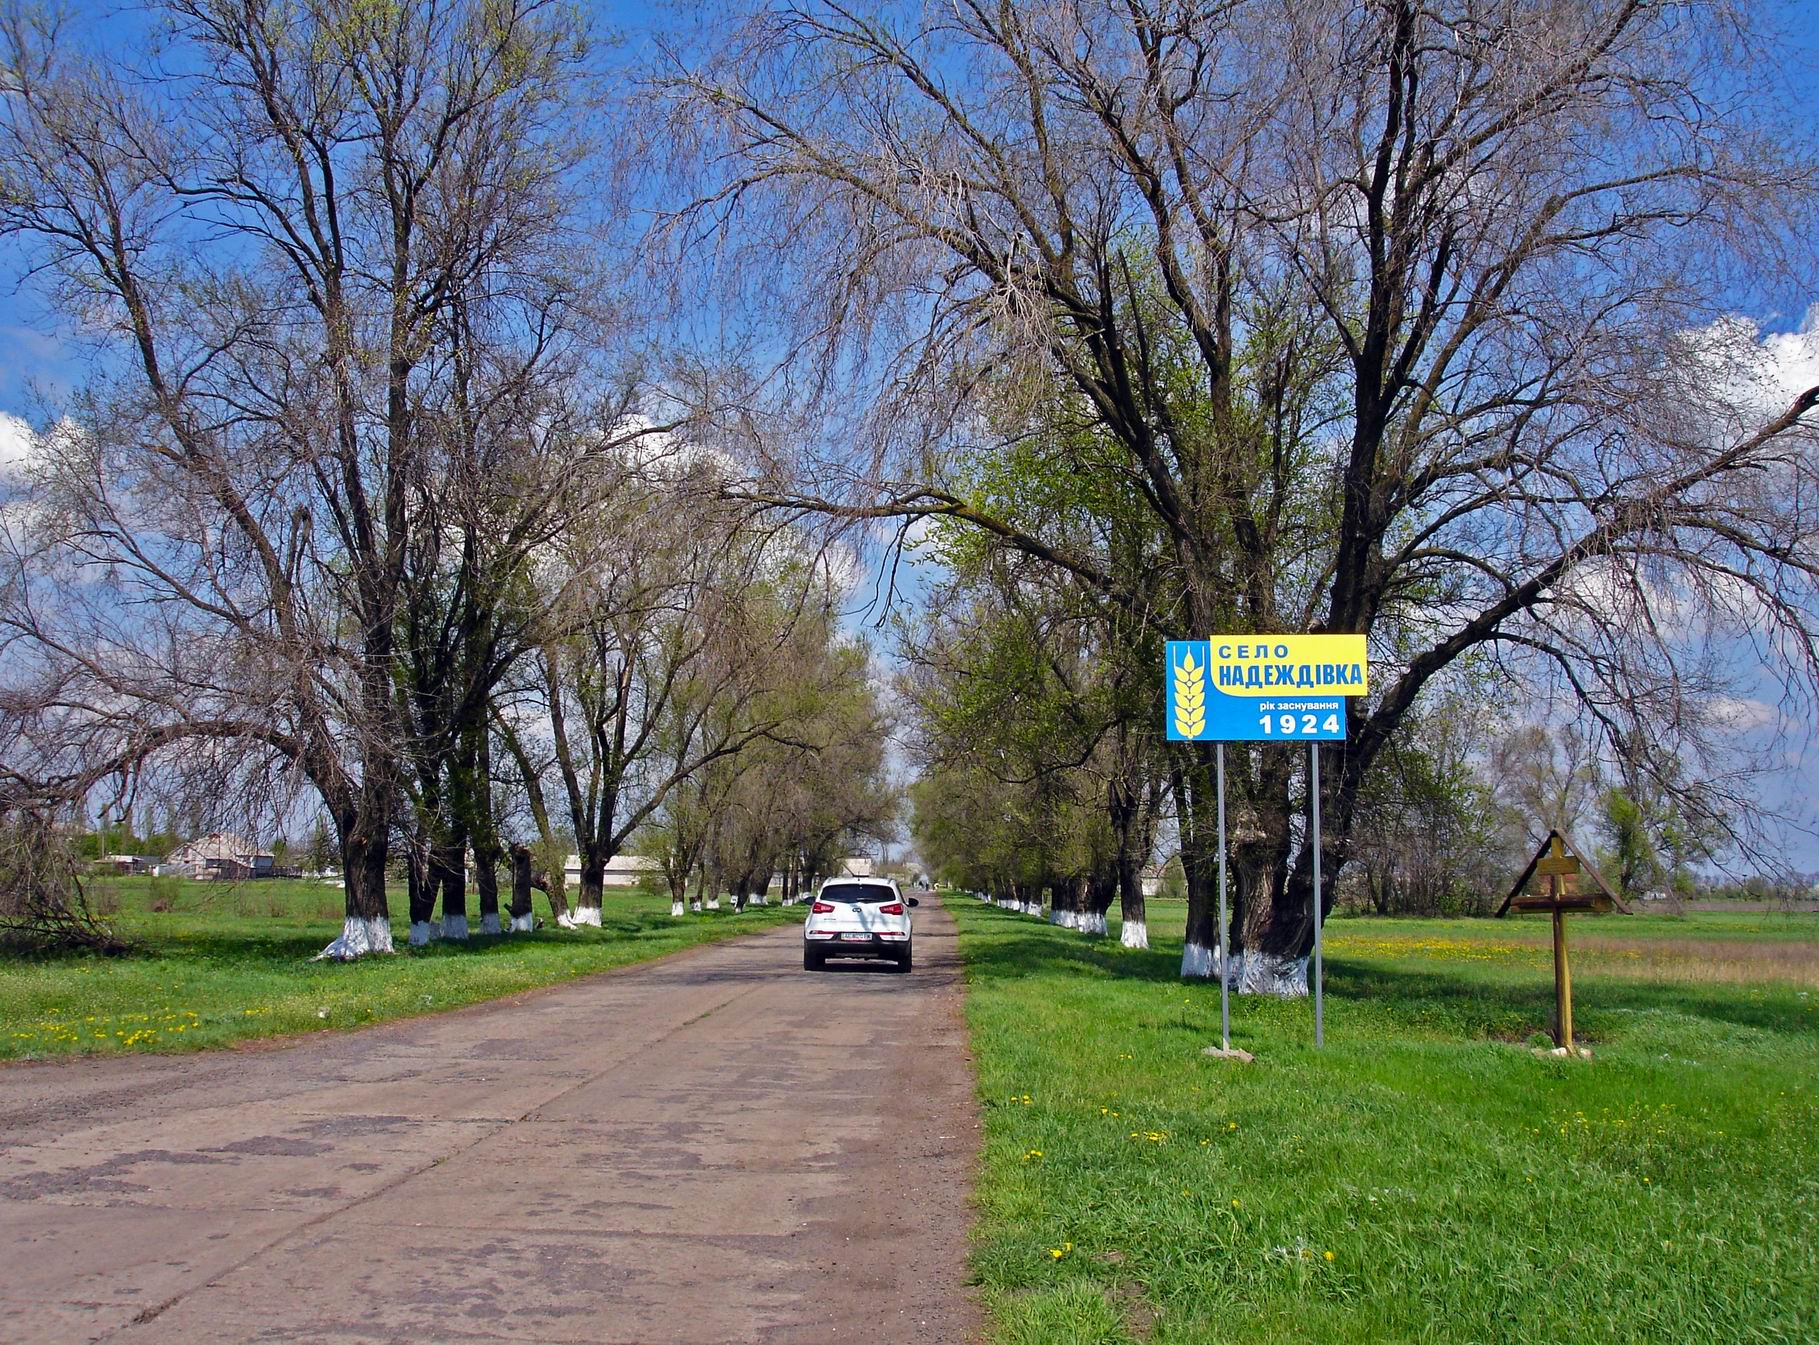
<point>871,946</point>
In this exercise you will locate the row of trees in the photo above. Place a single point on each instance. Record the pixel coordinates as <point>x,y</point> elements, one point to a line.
<point>370,494</point>
<point>1383,318</point>
<point>1161,320</point>
<point>1041,779</point>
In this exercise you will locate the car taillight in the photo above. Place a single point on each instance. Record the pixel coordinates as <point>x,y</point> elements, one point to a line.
<point>821,907</point>
<point>895,908</point>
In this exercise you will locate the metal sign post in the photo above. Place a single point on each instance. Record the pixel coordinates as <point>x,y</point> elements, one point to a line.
<point>1225,934</point>
<point>1313,756</point>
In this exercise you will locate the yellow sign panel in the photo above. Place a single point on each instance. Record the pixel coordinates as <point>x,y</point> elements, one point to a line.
<point>1288,665</point>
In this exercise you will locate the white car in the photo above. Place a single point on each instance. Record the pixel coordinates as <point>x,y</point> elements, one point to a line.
<point>858,917</point>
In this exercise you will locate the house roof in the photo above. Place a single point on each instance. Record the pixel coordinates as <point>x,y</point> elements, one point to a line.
<point>217,845</point>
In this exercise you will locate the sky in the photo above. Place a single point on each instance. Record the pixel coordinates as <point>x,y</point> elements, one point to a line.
<point>43,358</point>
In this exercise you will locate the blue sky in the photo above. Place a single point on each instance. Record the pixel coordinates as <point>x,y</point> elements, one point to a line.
<point>42,356</point>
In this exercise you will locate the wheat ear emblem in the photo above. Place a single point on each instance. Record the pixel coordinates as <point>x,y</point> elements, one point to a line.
<point>1190,697</point>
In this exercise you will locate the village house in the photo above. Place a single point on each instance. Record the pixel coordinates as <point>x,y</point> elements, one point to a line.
<point>218,856</point>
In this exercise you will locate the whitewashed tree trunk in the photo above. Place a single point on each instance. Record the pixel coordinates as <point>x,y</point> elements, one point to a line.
<point>1198,961</point>
<point>1254,972</point>
<point>359,938</point>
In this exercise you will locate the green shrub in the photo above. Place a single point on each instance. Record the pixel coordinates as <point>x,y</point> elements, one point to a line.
<point>162,893</point>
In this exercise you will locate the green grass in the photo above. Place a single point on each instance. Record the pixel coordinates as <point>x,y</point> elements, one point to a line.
<point>233,961</point>
<point>1424,1178</point>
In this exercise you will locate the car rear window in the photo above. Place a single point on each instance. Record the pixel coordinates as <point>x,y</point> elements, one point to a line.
<point>857,893</point>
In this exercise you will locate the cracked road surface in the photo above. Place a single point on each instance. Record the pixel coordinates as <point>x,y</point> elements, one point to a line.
<point>717,1147</point>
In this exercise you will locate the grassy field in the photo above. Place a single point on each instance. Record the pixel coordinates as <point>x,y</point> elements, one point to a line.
<point>230,961</point>
<point>1424,1178</point>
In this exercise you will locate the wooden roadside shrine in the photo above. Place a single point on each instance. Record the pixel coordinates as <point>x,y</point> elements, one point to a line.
<point>1558,861</point>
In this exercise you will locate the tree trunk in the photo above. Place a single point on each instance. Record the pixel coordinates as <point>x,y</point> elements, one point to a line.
<point>421,878</point>
<point>448,867</point>
<point>1289,938</point>
<point>1101,891</point>
<point>1271,931</point>
<point>1134,926</point>
<point>486,883</point>
<point>593,884</point>
<point>523,879</point>
<point>482,826</point>
<point>367,927</point>
<point>1196,803</point>
<point>1127,878</point>
<point>1271,928</point>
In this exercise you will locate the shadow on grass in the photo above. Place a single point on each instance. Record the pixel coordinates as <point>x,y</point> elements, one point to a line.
<point>283,942</point>
<point>1501,1005</point>
<point>1479,1002</point>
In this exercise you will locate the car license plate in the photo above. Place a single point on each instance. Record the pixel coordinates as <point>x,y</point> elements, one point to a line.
<point>857,938</point>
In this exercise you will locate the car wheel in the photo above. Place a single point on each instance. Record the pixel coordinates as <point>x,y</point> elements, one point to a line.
<point>812,959</point>
<point>903,962</point>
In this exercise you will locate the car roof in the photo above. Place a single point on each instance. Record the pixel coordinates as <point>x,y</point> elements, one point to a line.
<point>876,882</point>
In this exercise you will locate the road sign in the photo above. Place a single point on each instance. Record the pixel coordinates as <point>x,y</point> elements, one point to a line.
<point>1199,711</point>
<point>1259,689</point>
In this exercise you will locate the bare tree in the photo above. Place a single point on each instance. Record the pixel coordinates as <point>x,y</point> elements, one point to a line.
<point>674,624</point>
<point>1401,320</point>
<point>1547,777</point>
<point>273,275</point>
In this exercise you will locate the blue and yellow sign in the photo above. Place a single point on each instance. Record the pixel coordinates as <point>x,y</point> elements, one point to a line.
<point>1263,688</point>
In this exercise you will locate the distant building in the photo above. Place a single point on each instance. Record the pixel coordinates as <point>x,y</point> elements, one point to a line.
<point>1150,881</point>
<point>855,866</point>
<point>219,856</point>
<point>621,871</point>
<point>124,864</point>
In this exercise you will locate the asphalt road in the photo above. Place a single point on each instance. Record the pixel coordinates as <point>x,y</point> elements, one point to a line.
<point>718,1147</point>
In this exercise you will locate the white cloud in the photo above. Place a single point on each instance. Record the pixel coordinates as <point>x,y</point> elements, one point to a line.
<point>1790,360</point>
<point>1749,375</point>
<point>1742,714</point>
<point>17,443</point>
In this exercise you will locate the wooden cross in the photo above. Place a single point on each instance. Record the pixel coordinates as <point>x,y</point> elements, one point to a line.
<point>1557,861</point>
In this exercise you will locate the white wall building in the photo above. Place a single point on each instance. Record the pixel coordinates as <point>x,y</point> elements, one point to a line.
<point>621,871</point>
